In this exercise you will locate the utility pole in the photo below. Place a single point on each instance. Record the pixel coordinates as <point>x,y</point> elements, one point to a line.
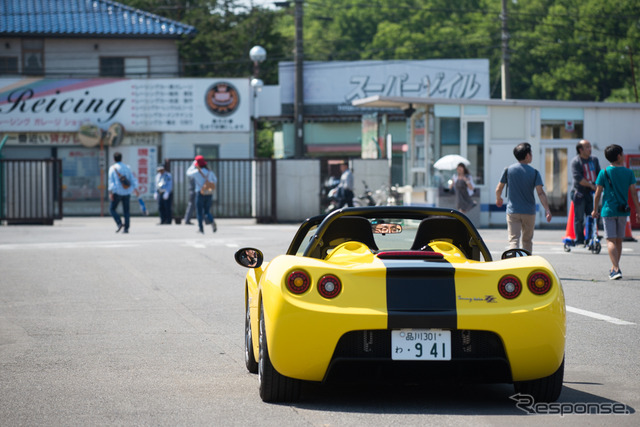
<point>298,107</point>
<point>506,80</point>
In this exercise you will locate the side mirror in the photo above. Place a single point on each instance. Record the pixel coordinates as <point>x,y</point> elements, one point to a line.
<point>249,257</point>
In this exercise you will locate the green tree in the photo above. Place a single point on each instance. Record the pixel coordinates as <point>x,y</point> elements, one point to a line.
<point>558,49</point>
<point>226,31</point>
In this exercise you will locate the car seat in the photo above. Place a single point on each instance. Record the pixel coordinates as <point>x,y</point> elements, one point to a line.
<point>346,229</point>
<point>448,229</point>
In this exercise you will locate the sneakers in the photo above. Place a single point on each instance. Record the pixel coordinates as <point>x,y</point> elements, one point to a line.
<point>615,275</point>
<point>119,228</point>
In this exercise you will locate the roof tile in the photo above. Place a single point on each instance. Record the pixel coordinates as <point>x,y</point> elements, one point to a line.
<point>84,18</point>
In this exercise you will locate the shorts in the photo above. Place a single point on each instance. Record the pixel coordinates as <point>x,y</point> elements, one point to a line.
<point>614,226</point>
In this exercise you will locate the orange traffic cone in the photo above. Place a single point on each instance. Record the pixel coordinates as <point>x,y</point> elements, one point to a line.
<point>570,234</point>
<point>628,237</point>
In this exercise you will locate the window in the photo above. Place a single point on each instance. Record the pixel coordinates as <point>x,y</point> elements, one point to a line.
<point>208,151</point>
<point>561,129</point>
<point>449,136</point>
<point>124,67</point>
<point>8,65</point>
<point>475,150</point>
<point>33,57</point>
<point>111,67</point>
<point>561,123</point>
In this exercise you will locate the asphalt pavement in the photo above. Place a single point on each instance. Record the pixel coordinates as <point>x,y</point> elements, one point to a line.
<point>102,328</point>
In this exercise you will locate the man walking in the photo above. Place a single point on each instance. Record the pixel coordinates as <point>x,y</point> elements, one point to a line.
<point>613,184</point>
<point>345,188</point>
<point>121,184</point>
<point>521,179</point>
<point>204,178</point>
<point>585,169</point>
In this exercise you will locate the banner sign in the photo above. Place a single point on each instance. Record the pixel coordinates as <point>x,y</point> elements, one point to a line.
<point>330,87</point>
<point>140,105</point>
<point>370,148</point>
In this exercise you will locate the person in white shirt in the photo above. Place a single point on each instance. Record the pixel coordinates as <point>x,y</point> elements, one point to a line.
<point>164,194</point>
<point>121,184</point>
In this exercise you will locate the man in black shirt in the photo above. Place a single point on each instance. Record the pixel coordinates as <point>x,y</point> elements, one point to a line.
<point>585,169</point>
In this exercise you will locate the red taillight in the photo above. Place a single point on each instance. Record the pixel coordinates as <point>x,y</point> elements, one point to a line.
<point>329,286</point>
<point>509,287</point>
<point>539,283</point>
<point>298,282</point>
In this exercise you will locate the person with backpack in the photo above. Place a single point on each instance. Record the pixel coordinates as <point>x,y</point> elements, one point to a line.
<point>121,183</point>
<point>205,181</point>
<point>613,185</point>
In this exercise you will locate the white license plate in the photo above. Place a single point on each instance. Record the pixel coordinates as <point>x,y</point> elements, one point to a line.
<point>421,344</point>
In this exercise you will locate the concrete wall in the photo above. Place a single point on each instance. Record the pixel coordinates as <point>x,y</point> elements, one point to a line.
<point>182,145</point>
<point>298,189</point>
<point>375,173</point>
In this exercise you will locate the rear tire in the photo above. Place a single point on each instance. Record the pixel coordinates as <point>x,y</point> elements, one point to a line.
<point>545,389</point>
<point>273,386</point>
<point>249,355</point>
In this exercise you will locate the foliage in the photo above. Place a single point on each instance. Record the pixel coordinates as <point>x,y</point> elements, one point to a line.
<point>265,140</point>
<point>558,49</point>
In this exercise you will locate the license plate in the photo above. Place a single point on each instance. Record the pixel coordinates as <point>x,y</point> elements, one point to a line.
<point>421,344</point>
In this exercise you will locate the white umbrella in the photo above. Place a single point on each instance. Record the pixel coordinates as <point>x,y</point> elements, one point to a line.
<point>450,162</point>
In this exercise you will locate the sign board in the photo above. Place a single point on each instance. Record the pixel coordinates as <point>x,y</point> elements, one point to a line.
<point>140,105</point>
<point>330,87</point>
<point>370,148</point>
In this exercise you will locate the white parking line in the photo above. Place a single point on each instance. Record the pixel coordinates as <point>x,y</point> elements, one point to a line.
<point>598,316</point>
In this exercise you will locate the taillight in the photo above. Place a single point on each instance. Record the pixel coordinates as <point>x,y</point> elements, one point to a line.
<point>329,286</point>
<point>539,283</point>
<point>298,282</point>
<point>509,287</point>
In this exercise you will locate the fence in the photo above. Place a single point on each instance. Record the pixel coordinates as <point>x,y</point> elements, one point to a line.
<point>246,188</point>
<point>30,191</point>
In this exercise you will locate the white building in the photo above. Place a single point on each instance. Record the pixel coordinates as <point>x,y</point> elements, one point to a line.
<point>486,131</point>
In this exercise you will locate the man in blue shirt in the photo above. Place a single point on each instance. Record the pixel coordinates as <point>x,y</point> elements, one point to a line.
<point>121,183</point>
<point>521,179</point>
<point>613,185</point>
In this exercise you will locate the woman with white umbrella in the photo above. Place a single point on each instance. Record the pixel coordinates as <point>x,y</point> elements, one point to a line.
<point>462,182</point>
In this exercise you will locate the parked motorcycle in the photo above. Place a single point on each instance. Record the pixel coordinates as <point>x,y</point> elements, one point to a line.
<point>336,200</point>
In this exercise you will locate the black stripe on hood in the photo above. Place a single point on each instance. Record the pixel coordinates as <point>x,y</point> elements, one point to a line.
<point>420,294</point>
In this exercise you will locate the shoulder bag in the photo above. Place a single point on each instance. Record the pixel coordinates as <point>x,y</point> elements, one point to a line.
<point>208,186</point>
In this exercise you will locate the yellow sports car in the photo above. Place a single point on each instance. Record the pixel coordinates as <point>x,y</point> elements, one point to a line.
<point>403,293</point>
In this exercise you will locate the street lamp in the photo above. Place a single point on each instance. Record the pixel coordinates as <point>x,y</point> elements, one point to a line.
<point>257,54</point>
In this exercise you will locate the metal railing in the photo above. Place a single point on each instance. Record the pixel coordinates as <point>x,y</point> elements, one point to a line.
<point>30,191</point>
<point>246,188</point>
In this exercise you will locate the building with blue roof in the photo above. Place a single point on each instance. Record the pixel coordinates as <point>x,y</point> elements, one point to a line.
<point>84,38</point>
<point>76,73</point>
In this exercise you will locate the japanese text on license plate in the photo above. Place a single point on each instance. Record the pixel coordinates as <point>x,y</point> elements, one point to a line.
<point>421,344</point>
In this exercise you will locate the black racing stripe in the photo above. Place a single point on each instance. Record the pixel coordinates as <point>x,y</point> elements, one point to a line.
<point>420,294</point>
